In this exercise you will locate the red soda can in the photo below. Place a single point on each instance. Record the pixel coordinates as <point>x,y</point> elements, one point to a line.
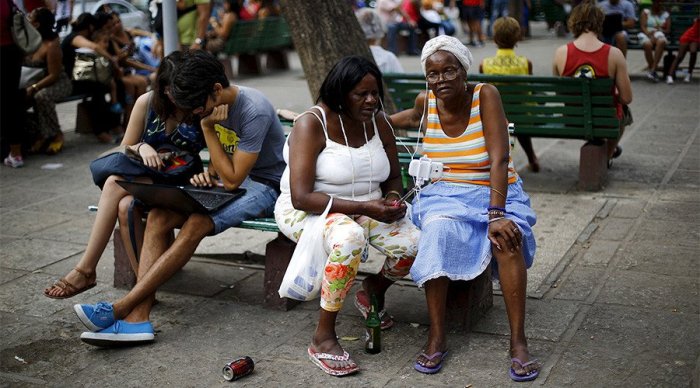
<point>238,368</point>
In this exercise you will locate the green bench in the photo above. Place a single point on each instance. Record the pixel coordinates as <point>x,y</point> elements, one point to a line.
<point>251,38</point>
<point>554,107</point>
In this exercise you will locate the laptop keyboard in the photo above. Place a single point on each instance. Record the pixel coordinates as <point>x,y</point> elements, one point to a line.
<point>209,199</point>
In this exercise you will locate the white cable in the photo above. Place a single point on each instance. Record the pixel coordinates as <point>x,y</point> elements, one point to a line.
<point>352,163</point>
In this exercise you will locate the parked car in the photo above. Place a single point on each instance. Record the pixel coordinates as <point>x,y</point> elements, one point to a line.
<point>131,16</point>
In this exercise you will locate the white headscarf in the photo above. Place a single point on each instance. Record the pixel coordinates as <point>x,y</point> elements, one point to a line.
<point>449,44</point>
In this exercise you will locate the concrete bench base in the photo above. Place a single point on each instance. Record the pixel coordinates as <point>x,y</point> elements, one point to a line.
<point>593,166</point>
<point>467,301</point>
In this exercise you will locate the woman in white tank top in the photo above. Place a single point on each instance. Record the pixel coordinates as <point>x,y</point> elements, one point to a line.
<point>344,148</point>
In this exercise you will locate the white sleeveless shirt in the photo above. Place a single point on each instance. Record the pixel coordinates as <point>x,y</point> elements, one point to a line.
<point>342,171</point>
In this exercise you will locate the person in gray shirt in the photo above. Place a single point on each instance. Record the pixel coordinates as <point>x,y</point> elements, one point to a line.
<point>245,141</point>
<point>619,15</point>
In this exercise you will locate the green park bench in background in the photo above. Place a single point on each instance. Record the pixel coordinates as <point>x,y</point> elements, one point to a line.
<point>554,107</point>
<point>251,38</point>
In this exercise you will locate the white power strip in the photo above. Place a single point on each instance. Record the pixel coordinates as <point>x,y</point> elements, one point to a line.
<point>424,169</point>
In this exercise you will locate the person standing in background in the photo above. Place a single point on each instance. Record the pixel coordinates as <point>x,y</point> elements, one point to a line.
<point>12,117</point>
<point>192,22</point>
<point>63,11</point>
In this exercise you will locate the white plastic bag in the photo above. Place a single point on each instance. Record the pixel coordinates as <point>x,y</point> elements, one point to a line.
<point>304,275</point>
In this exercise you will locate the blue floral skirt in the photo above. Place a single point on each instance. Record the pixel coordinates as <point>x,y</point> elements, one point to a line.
<point>453,220</point>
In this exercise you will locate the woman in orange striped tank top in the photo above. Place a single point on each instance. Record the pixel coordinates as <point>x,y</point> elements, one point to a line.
<point>477,207</point>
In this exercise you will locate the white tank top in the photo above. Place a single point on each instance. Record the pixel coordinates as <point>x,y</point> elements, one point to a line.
<point>346,172</point>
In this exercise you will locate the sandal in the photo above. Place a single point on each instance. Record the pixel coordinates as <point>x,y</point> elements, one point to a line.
<point>431,369</point>
<point>317,358</point>
<point>531,375</point>
<point>362,304</point>
<point>68,289</point>
<point>55,146</point>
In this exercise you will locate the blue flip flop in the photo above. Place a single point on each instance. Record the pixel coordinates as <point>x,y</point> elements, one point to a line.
<point>434,369</point>
<point>526,377</point>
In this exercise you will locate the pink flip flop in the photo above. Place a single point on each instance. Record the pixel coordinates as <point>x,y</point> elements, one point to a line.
<point>318,359</point>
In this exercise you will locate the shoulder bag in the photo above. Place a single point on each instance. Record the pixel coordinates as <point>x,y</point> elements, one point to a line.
<point>26,37</point>
<point>90,66</point>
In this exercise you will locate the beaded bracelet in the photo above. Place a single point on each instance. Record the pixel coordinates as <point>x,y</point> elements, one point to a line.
<point>496,213</point>
<point>496,208</point>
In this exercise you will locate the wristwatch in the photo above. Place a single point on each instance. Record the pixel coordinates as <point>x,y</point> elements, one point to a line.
<point>199,41</point>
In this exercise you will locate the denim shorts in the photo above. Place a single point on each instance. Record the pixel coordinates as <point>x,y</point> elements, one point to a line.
<point>258,201</point>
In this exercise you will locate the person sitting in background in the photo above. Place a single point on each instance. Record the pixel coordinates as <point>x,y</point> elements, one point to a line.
<point>55,84</point>
<point>245,141</point>
<point>619,15</point>
<point>478,210</point>
<point>655,24</point>
<point>587,56</point>
<point>103,40</point>
<point>506,34</point>
<point>101,118</point>
<point>155,122</point>
<point>432,17</point>
<point>221,26</point>
<point>373,28</point>
<point>395,19</point>
<point>268,8</point>
<point>689,41</point>
<point>343,148</point>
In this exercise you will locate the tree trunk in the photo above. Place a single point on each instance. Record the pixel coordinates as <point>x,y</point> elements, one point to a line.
<point>323,32</point>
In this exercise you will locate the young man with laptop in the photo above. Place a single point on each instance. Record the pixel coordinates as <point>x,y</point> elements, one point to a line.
<point>245,140</point>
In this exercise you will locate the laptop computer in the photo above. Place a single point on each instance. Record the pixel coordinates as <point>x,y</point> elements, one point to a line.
<point>184,199</point>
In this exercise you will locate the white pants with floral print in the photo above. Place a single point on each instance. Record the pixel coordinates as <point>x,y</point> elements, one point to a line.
<point>346,237</point>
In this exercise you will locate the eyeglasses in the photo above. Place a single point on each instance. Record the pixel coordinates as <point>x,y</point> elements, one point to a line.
<point>448,75</point>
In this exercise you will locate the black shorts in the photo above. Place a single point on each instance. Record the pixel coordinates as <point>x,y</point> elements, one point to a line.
<point>469,13</point>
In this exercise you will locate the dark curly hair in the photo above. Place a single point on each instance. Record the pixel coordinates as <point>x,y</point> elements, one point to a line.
<point>194,78</point>
<point>45,21</point>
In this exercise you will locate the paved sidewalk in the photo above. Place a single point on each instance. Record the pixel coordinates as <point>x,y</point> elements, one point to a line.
<point>614,294</point>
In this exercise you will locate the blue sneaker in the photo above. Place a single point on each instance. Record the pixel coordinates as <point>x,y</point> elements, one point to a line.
<point>121,333</point>
<point>95,317</point>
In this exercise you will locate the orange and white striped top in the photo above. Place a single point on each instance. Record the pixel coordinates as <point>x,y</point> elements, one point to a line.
<point>464,157</point>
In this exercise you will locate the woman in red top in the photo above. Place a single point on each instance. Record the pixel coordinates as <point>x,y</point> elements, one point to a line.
<point>588,57</point>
